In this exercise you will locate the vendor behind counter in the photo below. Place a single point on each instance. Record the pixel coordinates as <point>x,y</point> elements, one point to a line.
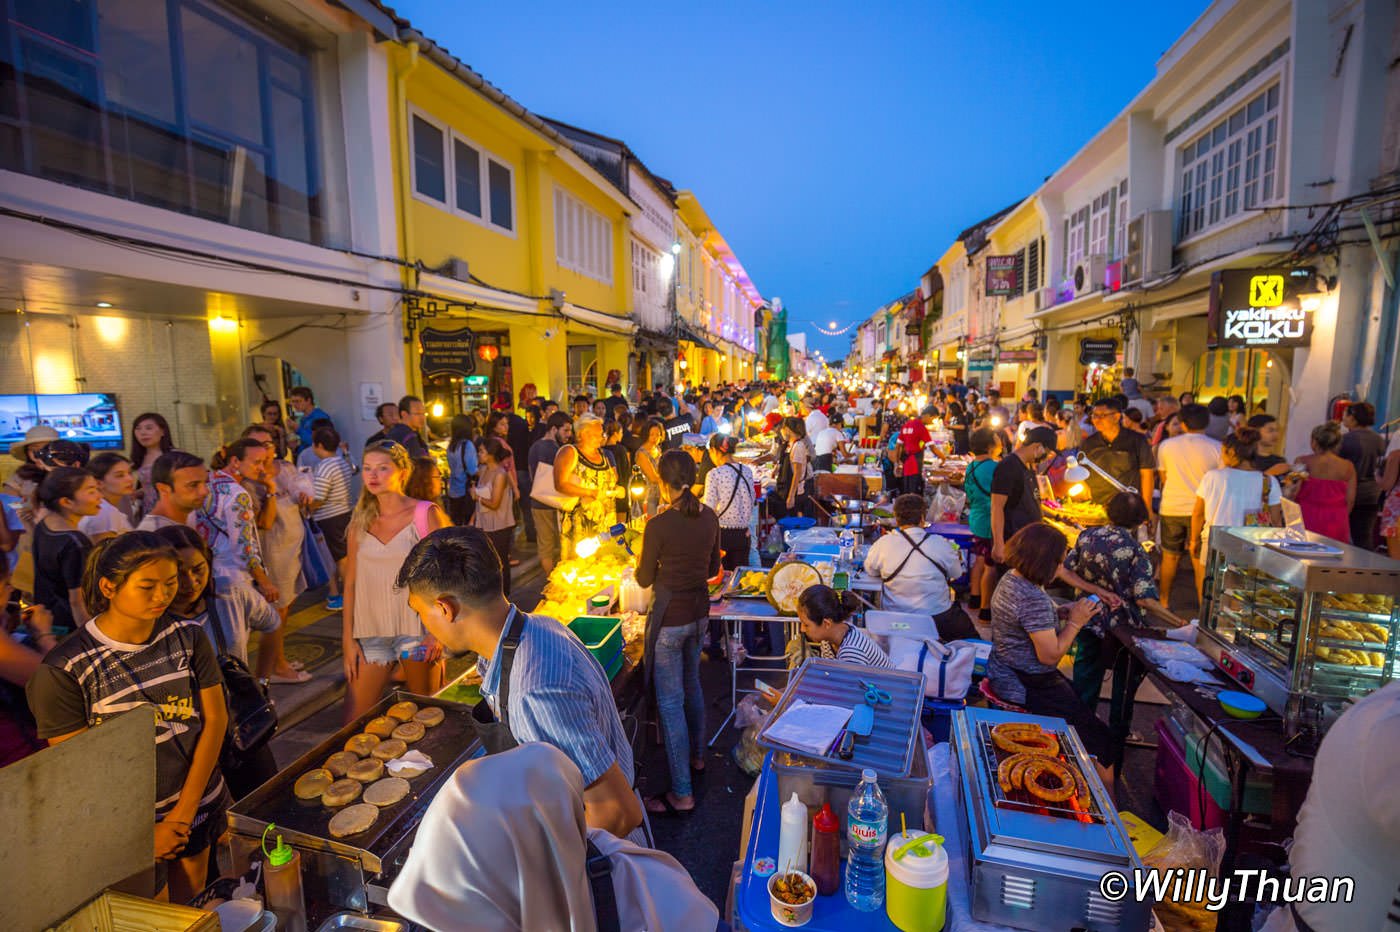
<point>917,568</point>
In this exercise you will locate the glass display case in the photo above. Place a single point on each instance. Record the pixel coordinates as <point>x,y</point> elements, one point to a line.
<point>1306,633</point>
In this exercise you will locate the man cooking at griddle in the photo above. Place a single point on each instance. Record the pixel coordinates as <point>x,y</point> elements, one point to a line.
<point>554,690</point>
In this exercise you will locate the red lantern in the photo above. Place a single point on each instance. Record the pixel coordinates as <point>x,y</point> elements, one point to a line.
<point>488,352</point>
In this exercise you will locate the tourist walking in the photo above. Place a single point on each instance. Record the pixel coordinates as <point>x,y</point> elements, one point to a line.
<point>495,499</point>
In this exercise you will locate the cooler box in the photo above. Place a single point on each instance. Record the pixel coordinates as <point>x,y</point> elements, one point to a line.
<point>603,638</point>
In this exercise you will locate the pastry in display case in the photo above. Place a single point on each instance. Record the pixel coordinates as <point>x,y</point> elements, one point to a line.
<point>1305,633</point>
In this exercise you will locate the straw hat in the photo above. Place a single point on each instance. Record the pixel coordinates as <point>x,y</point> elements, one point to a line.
<point>40,433</point>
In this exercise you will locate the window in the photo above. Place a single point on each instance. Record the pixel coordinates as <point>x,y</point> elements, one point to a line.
<point>1100,222</point>
<point>481,186</point>
<point>956,298</point>
<point>1076,239</point>
<point>582,238</point>
<point>184,105</point>
<point>646,269</point>
<point>1232,166</point>
<point>1119,248</point>
<point>429,162</point>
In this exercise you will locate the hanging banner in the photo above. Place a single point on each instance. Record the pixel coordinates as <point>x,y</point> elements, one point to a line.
<point>1001,275</point>
<point>447,352</point>
<point>1016,355</point>
<point>1260,308</point>
<point>1098,352</point>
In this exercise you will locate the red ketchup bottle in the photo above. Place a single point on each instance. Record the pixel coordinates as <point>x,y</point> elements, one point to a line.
<point>826,851</point>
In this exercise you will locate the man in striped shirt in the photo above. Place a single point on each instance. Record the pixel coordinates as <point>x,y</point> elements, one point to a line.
<point>332,476</point>
<point>556,693</point>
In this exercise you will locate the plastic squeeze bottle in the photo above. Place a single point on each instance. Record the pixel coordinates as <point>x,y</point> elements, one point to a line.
<point>282,885</point>
<point>792,836</point>
<point>826,851</point>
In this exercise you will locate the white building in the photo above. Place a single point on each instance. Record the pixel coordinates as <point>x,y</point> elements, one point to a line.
<point>189,217</point>
<point>1255,148</point>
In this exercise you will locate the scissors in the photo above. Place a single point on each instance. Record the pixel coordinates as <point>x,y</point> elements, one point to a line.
<point>874,695</point>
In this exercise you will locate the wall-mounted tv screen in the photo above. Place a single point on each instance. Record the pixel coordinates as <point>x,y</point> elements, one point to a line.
<point>89,418</point>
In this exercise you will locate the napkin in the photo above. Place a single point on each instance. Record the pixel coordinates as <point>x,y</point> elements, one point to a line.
<point>415,759</point>
<point>809,727</point>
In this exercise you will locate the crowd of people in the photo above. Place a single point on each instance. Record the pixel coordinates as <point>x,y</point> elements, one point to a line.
<point>143,571</point>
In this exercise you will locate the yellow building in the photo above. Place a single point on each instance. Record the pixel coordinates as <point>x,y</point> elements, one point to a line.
<point>508,233</point>
<point>716,302</point>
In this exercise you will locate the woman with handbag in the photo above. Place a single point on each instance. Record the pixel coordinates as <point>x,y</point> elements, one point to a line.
<point>228,614</point>
<point>379,629</point>
<point>585,471</point>
<point>916,568</point>
<point>134,651</point>
<point>494,494</point>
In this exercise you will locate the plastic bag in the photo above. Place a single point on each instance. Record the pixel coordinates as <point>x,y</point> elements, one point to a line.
<point>947,505</point>
<point>1185,847</point>
<point>750,714</point>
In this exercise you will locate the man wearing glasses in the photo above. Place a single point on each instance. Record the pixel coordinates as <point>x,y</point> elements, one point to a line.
<point>1123,454</point>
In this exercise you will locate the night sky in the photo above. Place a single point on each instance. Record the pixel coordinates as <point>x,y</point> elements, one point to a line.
<point>838,147</point>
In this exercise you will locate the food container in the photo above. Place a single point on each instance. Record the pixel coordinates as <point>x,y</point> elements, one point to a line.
<point>789,914</point>
<point>916,885</point>
<point>358,923</point>
<point>816,783</point>
<point>112,910</point>
<point>603,638</point>
<point>1241,705</point>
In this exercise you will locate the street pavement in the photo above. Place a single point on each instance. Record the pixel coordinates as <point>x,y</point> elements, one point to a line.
<point>706,841</point>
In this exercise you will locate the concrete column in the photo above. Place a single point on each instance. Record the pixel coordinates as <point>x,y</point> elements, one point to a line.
<point>1327,367</point>
<point>539,354</point>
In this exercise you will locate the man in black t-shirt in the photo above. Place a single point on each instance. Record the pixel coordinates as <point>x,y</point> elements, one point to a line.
<point>1015,498</point>
<point>677,426</point>
<point>1123,454</point>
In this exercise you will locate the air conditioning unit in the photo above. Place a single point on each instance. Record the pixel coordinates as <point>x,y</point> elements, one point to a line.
<point>1088,274</point>
<point>1149,254</point>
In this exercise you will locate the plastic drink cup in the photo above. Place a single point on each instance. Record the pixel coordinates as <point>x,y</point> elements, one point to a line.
<point>916,885</point>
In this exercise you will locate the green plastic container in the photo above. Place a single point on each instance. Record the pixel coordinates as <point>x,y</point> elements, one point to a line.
<point>603,638</point>
<point>916,886</point>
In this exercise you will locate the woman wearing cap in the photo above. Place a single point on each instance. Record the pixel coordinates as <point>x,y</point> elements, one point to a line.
<point>25,480</point>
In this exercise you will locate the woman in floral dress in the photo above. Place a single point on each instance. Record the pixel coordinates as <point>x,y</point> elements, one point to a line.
<point>584,470</point>
<point>1112,558</point>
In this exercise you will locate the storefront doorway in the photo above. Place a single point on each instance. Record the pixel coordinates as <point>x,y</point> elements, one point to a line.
<point>1259,377</point>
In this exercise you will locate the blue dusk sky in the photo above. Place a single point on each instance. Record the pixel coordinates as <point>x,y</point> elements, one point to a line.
<point>839,147</point>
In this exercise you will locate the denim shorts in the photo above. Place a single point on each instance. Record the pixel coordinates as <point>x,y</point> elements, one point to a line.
<point>385,650</point>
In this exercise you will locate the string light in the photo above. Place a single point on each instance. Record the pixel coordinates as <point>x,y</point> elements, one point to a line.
<point>834,331</point>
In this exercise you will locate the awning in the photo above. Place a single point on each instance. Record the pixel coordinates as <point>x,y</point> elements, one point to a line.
<point>691,335</point>
<point>598,320</point>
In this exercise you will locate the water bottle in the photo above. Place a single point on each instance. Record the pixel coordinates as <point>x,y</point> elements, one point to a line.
<point>414,651</point>
<point>848,549</point>
<point>867,818</point>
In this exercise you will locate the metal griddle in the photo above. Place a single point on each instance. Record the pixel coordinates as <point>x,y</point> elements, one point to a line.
<point>350,872</point>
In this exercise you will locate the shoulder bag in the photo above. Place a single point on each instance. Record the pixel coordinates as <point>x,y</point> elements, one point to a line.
<point>738,481</point>
<point>543,491</point>
<point>1261,518</point>
<point>252,716</point>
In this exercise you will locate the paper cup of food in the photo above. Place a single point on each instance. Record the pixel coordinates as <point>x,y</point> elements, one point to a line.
<point>792,895</point>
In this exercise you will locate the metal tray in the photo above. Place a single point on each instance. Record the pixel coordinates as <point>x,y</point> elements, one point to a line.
<point>358,923</point>
<point>731,588</point>
<point>306,823</point>
<point>889,750</point>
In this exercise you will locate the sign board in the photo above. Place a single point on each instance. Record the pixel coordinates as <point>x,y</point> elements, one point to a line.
<point>1001,275</point>
<point>1016,355</point>
<point>1098,352</point>
<point>984,364</point>
<point>1260,308</point>
<point>371,397</point>
<point>447,352</point>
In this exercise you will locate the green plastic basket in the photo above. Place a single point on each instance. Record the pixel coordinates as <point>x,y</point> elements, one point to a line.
<point>603,638</point>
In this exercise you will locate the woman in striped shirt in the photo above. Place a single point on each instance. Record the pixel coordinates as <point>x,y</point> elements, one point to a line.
<point>824,613</point>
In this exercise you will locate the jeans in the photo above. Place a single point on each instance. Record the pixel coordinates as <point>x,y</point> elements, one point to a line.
<point>527,518</point>
<point>679,699</point>
<point>546,524</point>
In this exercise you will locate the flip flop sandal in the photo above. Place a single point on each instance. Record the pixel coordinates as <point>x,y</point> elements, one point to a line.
<point>669,811</point>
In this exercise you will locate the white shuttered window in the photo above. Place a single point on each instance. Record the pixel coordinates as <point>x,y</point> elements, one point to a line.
<point>582,238</point>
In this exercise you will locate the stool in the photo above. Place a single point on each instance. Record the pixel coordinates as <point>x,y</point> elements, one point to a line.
<point>985,688</point>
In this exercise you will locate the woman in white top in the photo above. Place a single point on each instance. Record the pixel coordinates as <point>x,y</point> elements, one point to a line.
<point>1233,495</point>
<point>495,501</point>
<point>117,481</point>
<point>379,628</point>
